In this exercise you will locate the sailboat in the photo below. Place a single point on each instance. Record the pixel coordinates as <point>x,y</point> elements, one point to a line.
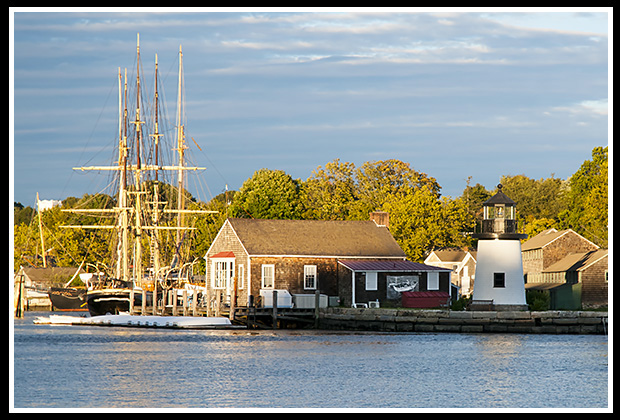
<point>140,213</point>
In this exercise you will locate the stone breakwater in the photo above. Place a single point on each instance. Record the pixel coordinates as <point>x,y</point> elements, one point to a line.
<point>423,320</point>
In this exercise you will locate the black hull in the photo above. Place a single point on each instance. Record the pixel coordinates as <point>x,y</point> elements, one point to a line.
<point>67,299</point>
<point>113,302</point>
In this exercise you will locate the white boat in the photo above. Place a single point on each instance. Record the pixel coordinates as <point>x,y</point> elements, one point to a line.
<point>141,321</point>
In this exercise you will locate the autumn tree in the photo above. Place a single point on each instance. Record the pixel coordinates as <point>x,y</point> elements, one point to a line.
<point>330,192</point>
<point>378,180</point>
<point>420,221</point>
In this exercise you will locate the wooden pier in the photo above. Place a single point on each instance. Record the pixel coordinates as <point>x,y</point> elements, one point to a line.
<point>273,318</point>
<point>171,304</point>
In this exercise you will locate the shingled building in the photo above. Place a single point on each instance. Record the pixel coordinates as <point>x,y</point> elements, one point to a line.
<point>301,256</point>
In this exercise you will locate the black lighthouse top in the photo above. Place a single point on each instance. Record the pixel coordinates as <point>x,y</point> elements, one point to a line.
<point>499,219</point>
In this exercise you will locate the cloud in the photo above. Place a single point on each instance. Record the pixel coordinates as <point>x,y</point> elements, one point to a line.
<point>596,107</point>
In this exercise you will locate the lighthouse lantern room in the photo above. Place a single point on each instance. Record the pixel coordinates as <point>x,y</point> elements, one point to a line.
<point>499,269</point>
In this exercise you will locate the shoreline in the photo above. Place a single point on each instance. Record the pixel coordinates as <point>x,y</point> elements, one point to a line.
<point>442,320</point>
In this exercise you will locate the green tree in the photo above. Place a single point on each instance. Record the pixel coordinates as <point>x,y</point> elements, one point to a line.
<point>473,197</point>
<point>539,202</point>
<point>378,180</point>
<point>330,193</point>
<point>587,211</point>
<point>420,221</point>
<point>268,194</point>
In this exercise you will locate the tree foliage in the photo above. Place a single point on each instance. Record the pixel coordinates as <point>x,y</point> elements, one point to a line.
<point>421,222</point>
<point>420,218</point>
<point>587,209</point>
<point>268,194</point>
<point>329,192</point>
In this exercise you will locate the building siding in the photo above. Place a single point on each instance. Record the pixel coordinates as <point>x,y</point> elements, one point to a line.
<point>594,287</point>
<point>538,259</point>
<point>225,241</point>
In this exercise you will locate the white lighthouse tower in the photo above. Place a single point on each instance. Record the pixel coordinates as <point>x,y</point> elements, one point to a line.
<point>499,267</point>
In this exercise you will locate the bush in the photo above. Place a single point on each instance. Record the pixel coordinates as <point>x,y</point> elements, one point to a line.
<point>537,300</point>
<point>460,304</point>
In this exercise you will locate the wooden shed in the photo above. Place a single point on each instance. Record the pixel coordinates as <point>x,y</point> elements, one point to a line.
<point>384,282</point>
<point>300,256</point>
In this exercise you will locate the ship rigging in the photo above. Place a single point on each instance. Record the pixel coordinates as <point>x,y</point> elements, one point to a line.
<point>144,214</point>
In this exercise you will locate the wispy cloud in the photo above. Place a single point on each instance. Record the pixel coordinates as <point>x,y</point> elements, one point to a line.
<point>596,107</point>
<point>425,86</point>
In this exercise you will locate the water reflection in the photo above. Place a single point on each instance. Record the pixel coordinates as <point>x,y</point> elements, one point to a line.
<point>500,367</point>
<point>115,367</point>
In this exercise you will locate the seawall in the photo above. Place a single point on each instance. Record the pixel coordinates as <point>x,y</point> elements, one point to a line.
<point>440,320</point>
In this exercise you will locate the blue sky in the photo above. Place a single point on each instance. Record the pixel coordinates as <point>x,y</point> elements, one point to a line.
<point>456,93</point>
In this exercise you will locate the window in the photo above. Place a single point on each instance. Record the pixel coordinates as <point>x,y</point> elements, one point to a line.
<point>371,280</point>
<point>433,281</point>
<point>268,276</point>
<point>240,277</point>
<point>310,277</point>
<point>499,279</point>
<point>223,271</point>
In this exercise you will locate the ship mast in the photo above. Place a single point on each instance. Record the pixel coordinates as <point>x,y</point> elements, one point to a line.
<point>138,224</point>
<point>41,232</point>
<point>138,177</point>
<point>181,150</point>
<point>155,214</point>
<point>122,246</point>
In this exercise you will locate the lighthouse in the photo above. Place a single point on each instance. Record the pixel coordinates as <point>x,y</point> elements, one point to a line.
<point>499,267</point>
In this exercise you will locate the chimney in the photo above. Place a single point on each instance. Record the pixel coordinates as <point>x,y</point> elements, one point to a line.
<point>381,218</point>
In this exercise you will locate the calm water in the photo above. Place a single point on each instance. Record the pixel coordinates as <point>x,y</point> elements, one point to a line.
<point>75,366</point>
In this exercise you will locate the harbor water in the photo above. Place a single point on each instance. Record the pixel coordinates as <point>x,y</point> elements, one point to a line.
<point>59,366</point>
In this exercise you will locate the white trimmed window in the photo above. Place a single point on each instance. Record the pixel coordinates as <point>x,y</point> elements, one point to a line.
<point>371,280</point>
<point>310,278</point>
<point>433,280</point>
<point>222,271</point>
<point>268,276</point>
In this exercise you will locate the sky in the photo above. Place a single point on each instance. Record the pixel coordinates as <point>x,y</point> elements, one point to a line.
<point>456,93</point>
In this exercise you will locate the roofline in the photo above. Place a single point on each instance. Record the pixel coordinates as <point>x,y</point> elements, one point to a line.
<point>606,254</point>
<point>339,257</point>
<point>585,255</point>
<point>559,236</point>
<point>435,268</point>
<point>218,235</point>
<point>468,254</point>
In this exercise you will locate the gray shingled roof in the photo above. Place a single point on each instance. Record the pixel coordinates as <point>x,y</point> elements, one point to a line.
<point>577,261</point>
<point>316,238</point>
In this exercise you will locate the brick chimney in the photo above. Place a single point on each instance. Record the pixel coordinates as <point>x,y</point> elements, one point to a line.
<point>381,218</point>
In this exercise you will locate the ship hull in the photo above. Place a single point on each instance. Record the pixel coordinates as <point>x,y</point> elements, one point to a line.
<point>67,299</point>
<point>114,301</point>
<point>108,301</point>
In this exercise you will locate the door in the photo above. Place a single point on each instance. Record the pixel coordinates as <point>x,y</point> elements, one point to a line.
<point>222,276</point>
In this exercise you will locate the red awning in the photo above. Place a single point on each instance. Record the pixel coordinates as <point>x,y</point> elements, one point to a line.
<point>225,254</point>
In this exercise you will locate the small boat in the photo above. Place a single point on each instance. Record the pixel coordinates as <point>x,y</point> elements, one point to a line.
<point>140,321</point>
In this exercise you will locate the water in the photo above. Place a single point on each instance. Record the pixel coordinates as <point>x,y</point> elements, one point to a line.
<point>96,367</point>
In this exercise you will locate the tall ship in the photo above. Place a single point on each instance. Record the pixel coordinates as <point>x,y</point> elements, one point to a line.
<point>149,216</point>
